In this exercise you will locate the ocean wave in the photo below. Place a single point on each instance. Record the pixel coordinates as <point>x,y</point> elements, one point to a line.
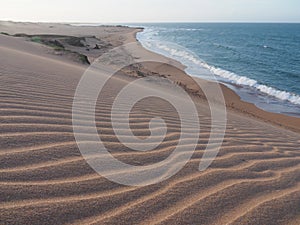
<point>189,59</point>
<point>189,29</point>
<point>150,32</point>
<point>245,81</point>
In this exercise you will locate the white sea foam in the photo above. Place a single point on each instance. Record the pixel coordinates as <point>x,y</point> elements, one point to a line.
<point>190,29</point>
<point>190,59</point>
<point>242,80</point>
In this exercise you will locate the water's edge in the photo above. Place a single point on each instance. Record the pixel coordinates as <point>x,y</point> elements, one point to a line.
<point>264,97</point>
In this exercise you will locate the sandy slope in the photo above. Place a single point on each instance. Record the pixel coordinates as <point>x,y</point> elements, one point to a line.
<point>44,179</point>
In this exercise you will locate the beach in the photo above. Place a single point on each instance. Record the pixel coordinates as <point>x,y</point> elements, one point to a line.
<point>45,180</point>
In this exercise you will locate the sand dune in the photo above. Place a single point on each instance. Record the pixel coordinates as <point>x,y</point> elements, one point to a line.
<point>255,178</point>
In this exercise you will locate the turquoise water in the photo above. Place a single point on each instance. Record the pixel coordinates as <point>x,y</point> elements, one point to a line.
<point>261,62</point>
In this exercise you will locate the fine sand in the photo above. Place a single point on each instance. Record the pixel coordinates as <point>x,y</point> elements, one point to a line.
<point>255,179</point>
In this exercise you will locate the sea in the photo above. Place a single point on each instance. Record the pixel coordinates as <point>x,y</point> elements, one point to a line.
<point>260,62</point>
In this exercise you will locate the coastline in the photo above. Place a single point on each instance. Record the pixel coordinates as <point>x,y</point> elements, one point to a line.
<point>236,104</point>
<point>233,101</point>
<point>262,73</point>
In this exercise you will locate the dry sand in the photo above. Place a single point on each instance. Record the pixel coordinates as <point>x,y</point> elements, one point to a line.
<point>45,180</point>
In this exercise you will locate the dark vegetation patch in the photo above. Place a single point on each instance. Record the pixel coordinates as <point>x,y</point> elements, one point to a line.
<point>4,33</point>
<point>84,59</point>
<point>58,43</point>
<point>77,48</point>
<point>140,73</point>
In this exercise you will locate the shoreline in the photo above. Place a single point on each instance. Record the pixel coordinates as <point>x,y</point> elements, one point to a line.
<point>275,95</point>
<point>235,103</point>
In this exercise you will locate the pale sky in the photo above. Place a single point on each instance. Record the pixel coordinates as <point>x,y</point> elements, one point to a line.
<point>126,11</point>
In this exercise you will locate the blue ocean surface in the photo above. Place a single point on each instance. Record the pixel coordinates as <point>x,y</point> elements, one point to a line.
<point>261,62</point>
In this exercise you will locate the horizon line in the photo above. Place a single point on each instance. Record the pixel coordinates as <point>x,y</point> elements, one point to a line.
<point>78,22</point>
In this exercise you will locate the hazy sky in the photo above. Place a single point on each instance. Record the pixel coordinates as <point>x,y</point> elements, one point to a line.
<point>114,11</point>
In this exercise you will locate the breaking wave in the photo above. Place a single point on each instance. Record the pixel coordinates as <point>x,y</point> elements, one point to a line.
<point>190,60</point>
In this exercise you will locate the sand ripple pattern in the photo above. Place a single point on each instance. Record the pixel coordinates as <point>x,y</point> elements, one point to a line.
<point>255,178</point>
